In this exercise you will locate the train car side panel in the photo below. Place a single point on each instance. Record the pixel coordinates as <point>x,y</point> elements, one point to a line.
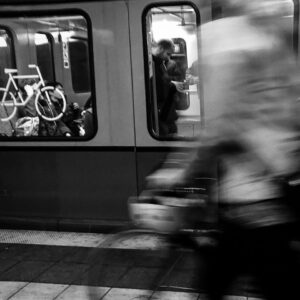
<point>77,179</point>
<point>110,61</point>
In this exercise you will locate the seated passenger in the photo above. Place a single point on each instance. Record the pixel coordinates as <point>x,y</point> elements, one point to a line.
<point>27,89</point>
<point>58,127</point>
<point>55,96</point>
<point>73,119</point>
<point>88,119</point>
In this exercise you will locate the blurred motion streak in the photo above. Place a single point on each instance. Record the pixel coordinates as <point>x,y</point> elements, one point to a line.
<point>250,144</point>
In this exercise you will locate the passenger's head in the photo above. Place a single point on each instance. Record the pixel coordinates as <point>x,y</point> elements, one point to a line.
<point>27,81</point>
<point>58,93</point>
<point>56,84</point>
<point>28,85</point>
<point>164,50</point>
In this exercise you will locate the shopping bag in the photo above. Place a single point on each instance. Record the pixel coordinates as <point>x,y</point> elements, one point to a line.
<point>27,126</point>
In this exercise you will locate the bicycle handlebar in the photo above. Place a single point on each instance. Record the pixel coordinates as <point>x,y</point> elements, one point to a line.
<point>7,71</point>
<point>33,66</point>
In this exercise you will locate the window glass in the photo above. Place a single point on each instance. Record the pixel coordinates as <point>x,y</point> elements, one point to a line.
<point>79,57</point>
<point>6,54</point>
<point>173,90</point>
<point>44,55</point>
<point>6,61</point>
<point>47,95</point>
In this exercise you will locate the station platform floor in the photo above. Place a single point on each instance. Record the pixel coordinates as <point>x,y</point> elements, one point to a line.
<point>40,265</point>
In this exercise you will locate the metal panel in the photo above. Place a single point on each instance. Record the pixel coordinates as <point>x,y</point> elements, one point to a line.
<point>66,184</point>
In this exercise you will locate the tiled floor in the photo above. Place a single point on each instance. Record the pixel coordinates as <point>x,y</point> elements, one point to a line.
<point>46,291</point>
<point>130,239</point>
<point>51,238</point>
<point>38,265</point>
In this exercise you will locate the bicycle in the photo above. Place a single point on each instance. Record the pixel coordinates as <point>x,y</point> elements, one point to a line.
<point>161,221</point>
<point>40,90</point>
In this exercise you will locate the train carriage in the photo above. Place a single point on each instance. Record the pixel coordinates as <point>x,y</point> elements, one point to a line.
<point>100,54</point>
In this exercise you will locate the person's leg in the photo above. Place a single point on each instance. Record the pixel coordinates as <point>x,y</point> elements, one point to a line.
<point>224,264</point>
<point>276,267</point>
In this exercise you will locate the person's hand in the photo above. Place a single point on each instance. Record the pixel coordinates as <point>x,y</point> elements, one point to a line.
<point>76,105</point>
<point>81,131</point>
<point>29,90</point>
<point>192,79</point>
<point>165,178</point>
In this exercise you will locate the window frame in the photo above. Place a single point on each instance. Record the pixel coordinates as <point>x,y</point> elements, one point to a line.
<point>146,10</point>
<point>10,14</point>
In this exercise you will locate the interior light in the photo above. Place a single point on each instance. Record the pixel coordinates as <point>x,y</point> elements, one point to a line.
<point>66,34</point>
<point>40,39</point>
<point>3,42</point>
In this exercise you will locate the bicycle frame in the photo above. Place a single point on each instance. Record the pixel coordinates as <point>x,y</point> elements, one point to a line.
<point>39,90</point>
<point>11,80</point>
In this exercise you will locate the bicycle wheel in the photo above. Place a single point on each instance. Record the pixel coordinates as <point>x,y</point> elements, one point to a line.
<point>8,105</point>
<point>50,103</point>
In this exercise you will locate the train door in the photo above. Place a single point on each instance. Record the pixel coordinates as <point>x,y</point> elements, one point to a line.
<point>179,22</point>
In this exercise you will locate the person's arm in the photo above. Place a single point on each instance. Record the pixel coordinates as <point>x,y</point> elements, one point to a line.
<point>181,168</point>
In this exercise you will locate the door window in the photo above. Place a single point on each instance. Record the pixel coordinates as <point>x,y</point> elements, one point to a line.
<point>172,71</point>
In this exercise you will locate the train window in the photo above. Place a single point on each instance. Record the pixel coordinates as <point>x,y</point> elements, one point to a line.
<point>172,72</point>
<point>44,55</point>
<point>47,94</point>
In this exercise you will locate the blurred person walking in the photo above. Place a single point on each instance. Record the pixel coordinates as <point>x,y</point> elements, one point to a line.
<point>252,138</point>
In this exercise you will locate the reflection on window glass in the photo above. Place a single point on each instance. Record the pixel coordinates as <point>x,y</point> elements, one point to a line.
<point>173,89</point>
<point>47,95</point>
